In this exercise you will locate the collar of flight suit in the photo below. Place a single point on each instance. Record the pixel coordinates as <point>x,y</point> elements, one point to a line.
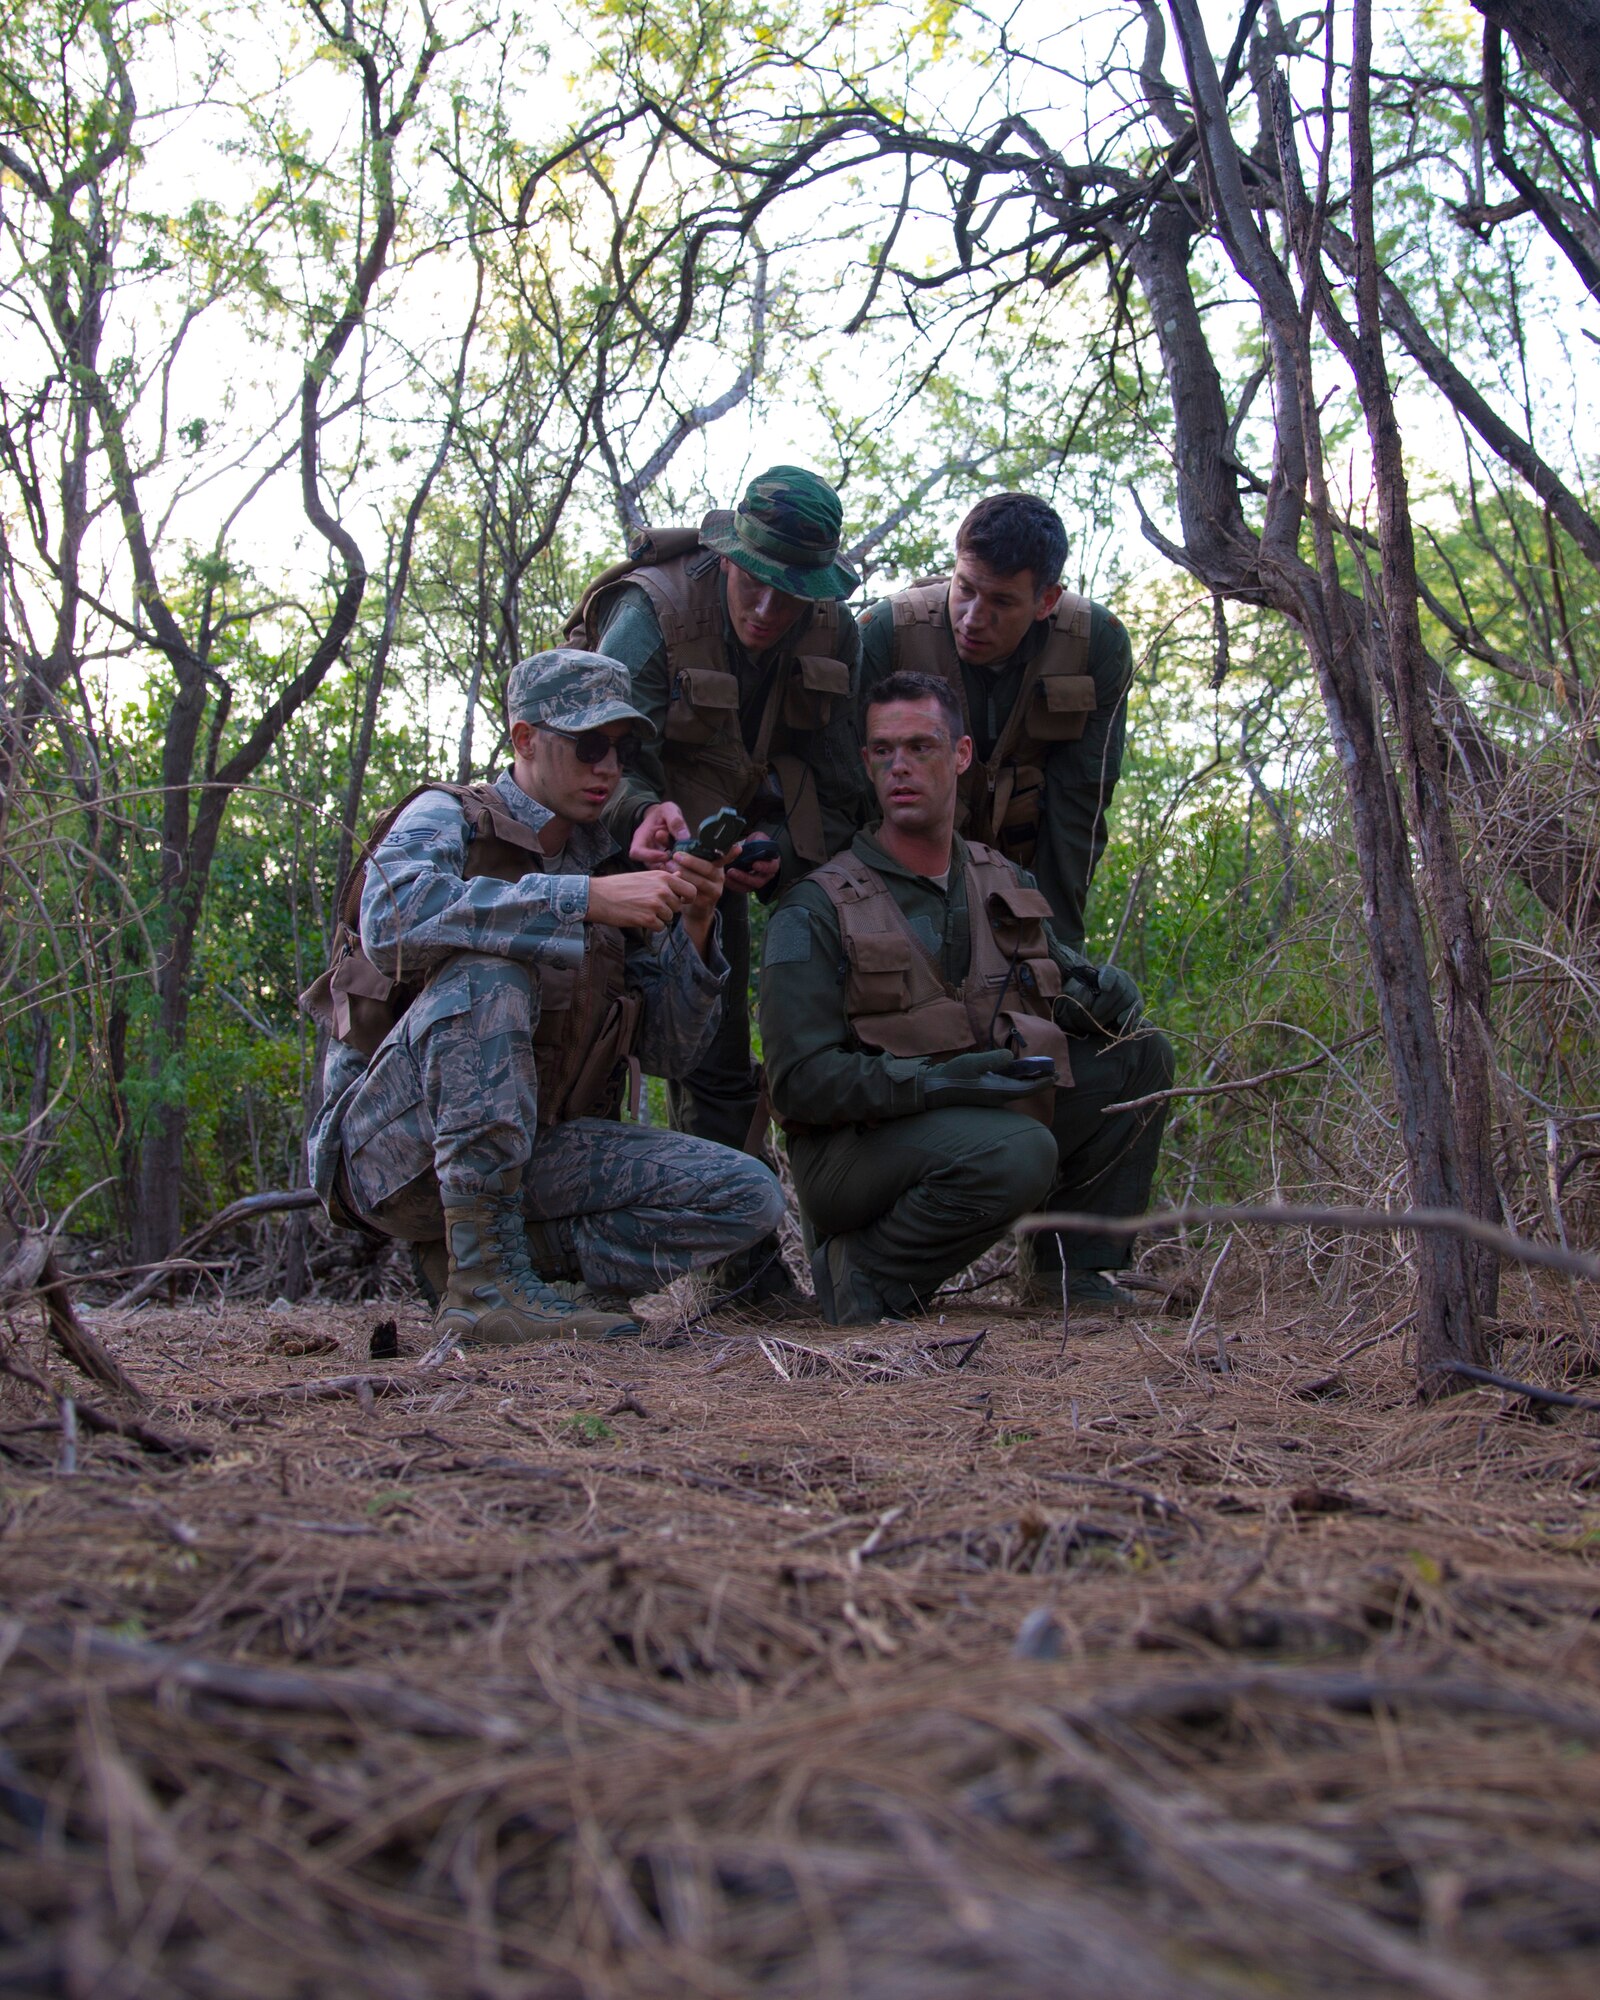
<point>587,846</point>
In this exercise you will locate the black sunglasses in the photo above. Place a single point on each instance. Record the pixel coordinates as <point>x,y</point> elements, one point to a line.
<point>593,746</point>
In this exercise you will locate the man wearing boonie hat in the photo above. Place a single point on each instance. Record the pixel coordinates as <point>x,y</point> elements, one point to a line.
<point>744,660</point>
<point>490,982</point>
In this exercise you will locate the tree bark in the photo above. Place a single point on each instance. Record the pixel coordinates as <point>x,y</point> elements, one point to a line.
<point>1342,646</point>
<point>1561,40</point>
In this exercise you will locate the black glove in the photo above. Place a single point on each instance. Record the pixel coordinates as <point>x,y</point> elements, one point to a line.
<point>979,1081</point>
<point>1098,999</point>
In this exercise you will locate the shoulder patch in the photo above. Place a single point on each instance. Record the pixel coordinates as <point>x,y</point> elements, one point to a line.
<point>788,938</point>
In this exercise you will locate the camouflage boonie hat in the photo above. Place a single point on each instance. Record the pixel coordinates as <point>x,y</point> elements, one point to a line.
<point>571,690</point>
<point>785,531</point>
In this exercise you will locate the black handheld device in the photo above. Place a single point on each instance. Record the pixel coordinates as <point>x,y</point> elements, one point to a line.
<point>758,847</point>
<point>1031,1069</point>
<point>718,832</point>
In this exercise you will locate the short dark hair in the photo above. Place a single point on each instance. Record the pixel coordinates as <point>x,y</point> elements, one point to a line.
<point>1016,531</point>
<point>907,686</point>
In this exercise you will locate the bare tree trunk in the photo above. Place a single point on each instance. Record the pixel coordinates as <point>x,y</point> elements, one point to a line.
<point>1342,651</point>
<point>1464,957</point>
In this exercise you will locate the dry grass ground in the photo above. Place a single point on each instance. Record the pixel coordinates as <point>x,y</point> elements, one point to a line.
<point>830,1668</point>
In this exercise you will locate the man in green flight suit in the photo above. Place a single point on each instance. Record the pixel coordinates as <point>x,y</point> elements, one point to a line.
<point>1042,679</point>
<point>743,661</point>
<point>902,985</point>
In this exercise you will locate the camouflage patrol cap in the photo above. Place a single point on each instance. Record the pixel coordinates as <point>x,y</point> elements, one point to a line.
<point>785,531</point>
<point>569,689</point>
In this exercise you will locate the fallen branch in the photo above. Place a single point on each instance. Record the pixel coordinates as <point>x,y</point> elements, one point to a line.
<point>1495,1380</point>
<point>347,1695</point>
<point>92,1419</point>
<point>1288,1215</point>
<point>31,1270</point>
<point>275,1201</point>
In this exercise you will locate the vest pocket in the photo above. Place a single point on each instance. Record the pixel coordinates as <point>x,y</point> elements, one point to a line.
<point>1015,903</point>
<point>880,972</point>
<point>555,986</point>
<point>1031,1035</point>
<point>813,687</point>
<point>1060,706</point>
<point>364,1005</point>
<point>1016,917</point>
<point>600,1078</point>
<point>704,704</point>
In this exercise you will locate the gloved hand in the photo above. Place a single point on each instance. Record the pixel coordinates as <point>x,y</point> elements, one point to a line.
<point>1098,999</point>
<point>977,1081</point>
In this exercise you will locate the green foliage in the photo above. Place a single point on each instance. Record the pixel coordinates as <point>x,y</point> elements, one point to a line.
<point>621,294</point>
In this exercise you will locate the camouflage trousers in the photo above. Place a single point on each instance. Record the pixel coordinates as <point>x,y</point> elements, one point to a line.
<point>450,1102</point>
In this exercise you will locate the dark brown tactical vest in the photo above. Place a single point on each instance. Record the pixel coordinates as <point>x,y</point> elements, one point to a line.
<point>587,1017</point>
<point>1002,799</point>
<point>706,759</point>
<point>895,994</point>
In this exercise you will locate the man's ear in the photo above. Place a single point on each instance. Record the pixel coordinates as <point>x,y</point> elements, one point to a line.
<point>963,754</point>
<point>523,736</point>
<point>1045,603</point>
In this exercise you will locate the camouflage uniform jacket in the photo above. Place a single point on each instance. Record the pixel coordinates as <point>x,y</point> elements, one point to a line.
<point>630,631</point>
<point>418,911</point>
<point>1079,776</point>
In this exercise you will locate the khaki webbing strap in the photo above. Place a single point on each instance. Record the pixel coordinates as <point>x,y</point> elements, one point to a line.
<point>1071,622</point>
<point>761,748</point>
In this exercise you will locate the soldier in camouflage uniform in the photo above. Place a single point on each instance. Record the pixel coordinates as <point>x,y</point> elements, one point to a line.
<point>1042,678</point>
<point>900,984</point>
<point>743,659</point>
<point>538,973</point>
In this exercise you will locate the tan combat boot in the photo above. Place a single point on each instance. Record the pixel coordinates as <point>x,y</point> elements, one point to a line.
<point>493,1297</point>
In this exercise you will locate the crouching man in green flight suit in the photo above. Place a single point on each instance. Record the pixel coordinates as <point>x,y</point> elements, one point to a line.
<point>900,985</point>
<point>519,976</point>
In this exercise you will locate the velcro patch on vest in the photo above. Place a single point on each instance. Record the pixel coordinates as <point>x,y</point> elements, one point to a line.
<point>788,938</point>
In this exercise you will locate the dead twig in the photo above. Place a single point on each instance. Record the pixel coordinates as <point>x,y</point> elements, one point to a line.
<point>275,1201</point>
<point>1243,1083</point>
<point>1205,1296</point>
<point>93,1419</point>
<point>1288,1215</point>
<point>1493,1379</point>
<point>68,1461</point>
<point>335,1694</point>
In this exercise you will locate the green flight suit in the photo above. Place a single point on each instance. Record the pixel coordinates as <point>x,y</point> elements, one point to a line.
<point>928,1191</point>
<point>1079,776</point>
